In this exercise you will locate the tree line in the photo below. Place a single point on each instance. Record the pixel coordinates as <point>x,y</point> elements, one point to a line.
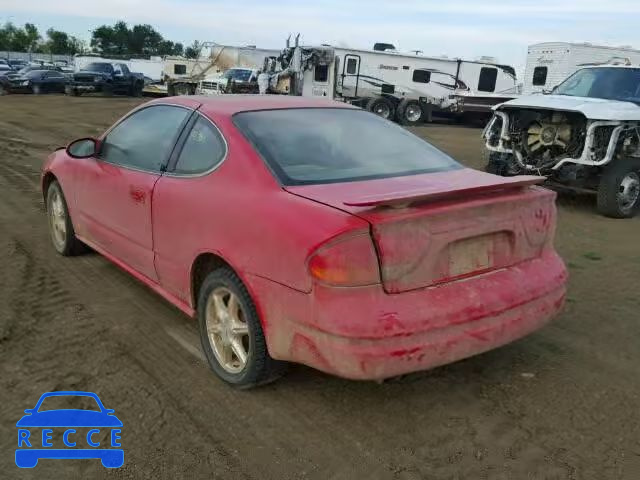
<point>118,39</point>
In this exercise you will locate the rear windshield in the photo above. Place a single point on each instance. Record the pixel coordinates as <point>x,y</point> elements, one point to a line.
<point>98,67</point>
<point>328,145</point>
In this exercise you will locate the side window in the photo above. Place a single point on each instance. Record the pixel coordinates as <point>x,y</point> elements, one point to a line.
<point>321,73</point>
<point>352,66</point>
<point>145,139</point>
<point>179,69</point>
<point>540,76</point>
<point>203,149</point>
<point>421,76</point>
<point>117,70</point>
<point>124,68</point>
<point>487,81</point>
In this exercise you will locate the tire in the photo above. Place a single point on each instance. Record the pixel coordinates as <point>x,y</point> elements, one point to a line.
<point>3,91</point>
<point>37,90</point>
<point>410,113</point>
<point>62,235</point>
<point>69,90</point>
<point>382,107</point>
<point>258,368</point>
<point>107,90</point>
<point>136,90</point>
<point>619,189</point>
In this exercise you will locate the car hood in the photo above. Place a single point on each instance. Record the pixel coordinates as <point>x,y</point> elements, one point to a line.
<point>69,418</point>
<point>592,108</point>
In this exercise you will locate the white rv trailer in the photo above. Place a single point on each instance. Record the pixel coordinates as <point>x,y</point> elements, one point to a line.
<point>394,85</point>
<point>549,64</point>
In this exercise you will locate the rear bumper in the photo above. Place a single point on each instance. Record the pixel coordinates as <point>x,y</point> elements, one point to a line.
<point>364,333</point>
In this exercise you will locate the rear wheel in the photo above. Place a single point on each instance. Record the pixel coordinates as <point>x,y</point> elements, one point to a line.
<point>382,107</point>
<point>231,332</point>
<point>619,189</point>
<point>410,113</point>
<point>61,230</point>
<point>136,89</point>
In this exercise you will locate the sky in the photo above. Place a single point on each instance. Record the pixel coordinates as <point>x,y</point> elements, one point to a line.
<point>462,28</point>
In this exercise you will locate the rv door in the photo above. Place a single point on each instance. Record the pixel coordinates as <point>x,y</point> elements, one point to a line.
<point>350,75</point>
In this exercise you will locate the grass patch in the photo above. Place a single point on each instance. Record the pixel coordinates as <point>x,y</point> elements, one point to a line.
<point>596,257</point>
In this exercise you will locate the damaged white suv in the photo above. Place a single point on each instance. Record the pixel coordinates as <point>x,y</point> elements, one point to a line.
<point>584,135</point>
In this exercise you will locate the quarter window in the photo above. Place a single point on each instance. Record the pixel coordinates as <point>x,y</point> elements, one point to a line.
<point>203,149</point>
<point>487,81</point>
<point>145,139</point>
<point>180,69</point>
<point>421,76</point>
<point>540,76</point>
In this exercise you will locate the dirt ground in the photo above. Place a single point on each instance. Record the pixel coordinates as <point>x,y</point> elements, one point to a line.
<point>563,403</point>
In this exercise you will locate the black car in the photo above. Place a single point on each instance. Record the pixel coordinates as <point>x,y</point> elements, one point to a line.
<point>38,81</point>
<point>17,64</point>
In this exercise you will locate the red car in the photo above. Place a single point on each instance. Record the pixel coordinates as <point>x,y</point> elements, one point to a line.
<point>309,231</point>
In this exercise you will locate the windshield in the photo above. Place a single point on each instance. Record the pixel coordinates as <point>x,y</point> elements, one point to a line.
<point>238,74</point>
<point>327,145</point>
<point>98,67</point>
<point>35,73</point>
<point>65,402</point>
<point>610,83</point>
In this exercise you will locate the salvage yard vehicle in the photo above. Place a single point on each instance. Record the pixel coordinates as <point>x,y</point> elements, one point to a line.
<point>584,136</point>
<point>234,80</point>
<point>108,78</point>
<point>37,82</point>
<point>309,231</point>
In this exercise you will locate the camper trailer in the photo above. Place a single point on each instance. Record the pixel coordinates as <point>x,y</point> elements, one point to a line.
<point>549,64</point>
<point>406,87</point>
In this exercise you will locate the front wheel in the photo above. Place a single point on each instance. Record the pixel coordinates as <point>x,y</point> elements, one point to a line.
<point>231,332</point>
<point>619,189</point>
<point>61,230</point>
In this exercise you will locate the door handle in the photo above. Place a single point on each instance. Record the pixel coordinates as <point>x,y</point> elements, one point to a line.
<point>137,195</point>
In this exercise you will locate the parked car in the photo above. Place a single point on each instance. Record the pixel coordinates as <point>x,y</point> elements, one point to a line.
<point>309,231</point>
<point>584,135</point>
<point>30,68</point>
<point>38,81</point>
<point>17,64</point>
<point>108,78</point>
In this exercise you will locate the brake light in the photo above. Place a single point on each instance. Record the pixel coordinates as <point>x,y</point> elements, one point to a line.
<point>346,262</point>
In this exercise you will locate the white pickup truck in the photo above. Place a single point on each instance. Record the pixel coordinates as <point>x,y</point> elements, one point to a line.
<point>218,84</point>
<point>585,135</point>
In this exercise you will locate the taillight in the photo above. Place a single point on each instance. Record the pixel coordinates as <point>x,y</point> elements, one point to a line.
<point>346,262</point>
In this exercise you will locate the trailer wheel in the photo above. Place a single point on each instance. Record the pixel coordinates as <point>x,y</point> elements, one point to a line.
<point>619,189</point>
<point>382,107</point>
<point>410,112</point>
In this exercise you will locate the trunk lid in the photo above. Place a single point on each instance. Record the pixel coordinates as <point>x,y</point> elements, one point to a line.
<point>436,228</point>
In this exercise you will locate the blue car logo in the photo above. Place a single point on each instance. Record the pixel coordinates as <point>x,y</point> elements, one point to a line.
<point>76,433</point>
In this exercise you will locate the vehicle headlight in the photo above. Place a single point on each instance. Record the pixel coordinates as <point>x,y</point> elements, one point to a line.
<point>24,83</point>
<point>96,79</point>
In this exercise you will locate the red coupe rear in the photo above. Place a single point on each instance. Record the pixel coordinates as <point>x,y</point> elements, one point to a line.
<point>310,231</point>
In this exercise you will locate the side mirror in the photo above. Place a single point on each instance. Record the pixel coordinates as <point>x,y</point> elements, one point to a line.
<point>83,148</point>
<point>29,410</point>
<point>109,411</point>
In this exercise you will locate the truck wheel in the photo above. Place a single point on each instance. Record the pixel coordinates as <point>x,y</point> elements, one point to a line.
<point>410,113</point>
<point>136,89</point>
<point>382,107</point>
<point>231,332</point>
<point>107,91</point>
<point>619,189</point>
<point>69,90</point>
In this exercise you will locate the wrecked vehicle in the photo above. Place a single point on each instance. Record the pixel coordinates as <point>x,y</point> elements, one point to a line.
<point>585,135</point>
<point>234,80</point>
<point>371,261</point>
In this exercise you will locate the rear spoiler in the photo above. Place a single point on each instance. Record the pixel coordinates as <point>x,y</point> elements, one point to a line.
<point>442,192</point>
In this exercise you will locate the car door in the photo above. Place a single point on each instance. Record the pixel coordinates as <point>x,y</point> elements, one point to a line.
<point>114,190</point>
<point>181,208</point>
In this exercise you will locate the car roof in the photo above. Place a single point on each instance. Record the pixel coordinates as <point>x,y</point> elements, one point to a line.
<point>231,104</point>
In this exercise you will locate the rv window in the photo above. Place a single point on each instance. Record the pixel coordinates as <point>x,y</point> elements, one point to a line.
<point>487,81</point>
<point>540,76</point>
<point>321,73</point>
<point>352,66</point>
<point>179,69</point>
<point>421,76</point>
